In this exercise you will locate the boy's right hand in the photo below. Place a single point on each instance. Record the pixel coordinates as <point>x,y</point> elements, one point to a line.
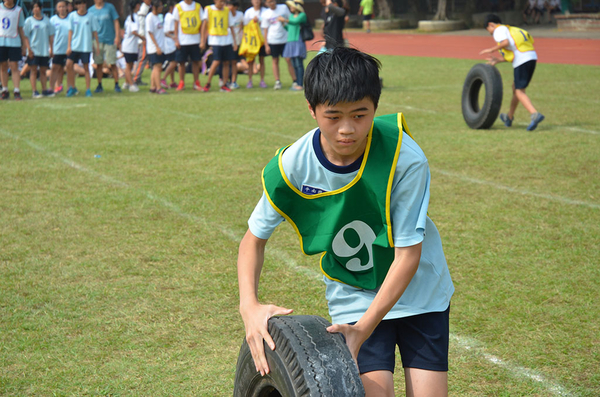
<point>256,318</point>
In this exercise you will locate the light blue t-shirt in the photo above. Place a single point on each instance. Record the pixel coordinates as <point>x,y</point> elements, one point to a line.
<point>61,34</point>
<point>431,288</point>
<point>83,27</point>
<point>105,18</point>
<point>38,32</point>
<point>5,25</point>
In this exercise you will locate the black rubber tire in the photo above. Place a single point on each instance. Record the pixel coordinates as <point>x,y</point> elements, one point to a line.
<point>307,361</point>
<point>482,117</point>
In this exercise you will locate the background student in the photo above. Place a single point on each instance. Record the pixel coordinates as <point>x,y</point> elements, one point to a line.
<point>60,21</point>
<point>40,34</point>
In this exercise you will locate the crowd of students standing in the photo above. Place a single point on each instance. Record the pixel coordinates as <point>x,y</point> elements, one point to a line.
<point>167,40</point>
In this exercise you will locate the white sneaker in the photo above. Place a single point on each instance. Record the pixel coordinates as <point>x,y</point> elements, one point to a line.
<point>125,86</point>
<point>133,88</point>
<point>277,85</point>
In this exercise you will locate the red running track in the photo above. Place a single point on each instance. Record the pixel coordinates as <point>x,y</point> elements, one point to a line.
<point>549,50</point>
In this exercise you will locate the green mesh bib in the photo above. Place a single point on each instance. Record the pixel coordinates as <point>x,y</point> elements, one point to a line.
<point>351,226</point>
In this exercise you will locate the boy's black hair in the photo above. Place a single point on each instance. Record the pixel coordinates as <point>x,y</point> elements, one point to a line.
<point>342,75</point>
<point>491,18</point>
<point>75,2</point>
<point>233,3</point>
<point>157,3</point>
<point>34,3</point>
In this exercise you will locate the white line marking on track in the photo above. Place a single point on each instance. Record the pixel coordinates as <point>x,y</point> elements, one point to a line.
<point>498,186</point>
<point>466,343</point>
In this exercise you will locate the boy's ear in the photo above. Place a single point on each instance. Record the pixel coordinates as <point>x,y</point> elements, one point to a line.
<point>311,110</point>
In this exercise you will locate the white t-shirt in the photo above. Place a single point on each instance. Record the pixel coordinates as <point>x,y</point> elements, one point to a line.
<point>219,40</point>
<point>145,9</point>
<point>238,26</point>
<point>276,33</point>
<point>130,42</point>
<point>251,13</point>
<point>431,288</point>
<point>502,33</point>
<point>184,38</point>
<point>154,26</point>
<point>169,26</point>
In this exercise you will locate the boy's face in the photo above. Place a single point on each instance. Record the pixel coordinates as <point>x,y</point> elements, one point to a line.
<point>219,4</point>
<point>81,8</point>
<point>491,27</point>
<point>344,129</point>
<point>61,8</point>
<point>272,4</point>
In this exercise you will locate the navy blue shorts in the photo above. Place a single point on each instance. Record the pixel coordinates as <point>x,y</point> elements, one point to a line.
<point>130,57</point>
<point>276,50</point>
<point>170,57</point>
<point>155,58</point>
<point>367,17</point>
<point>185,52</point>
<point>42,62</point>
<point>11,54</point>
<point>223,53</point>
<point>523,74</point>
<point>77,56</point>
<point>59,59</point>
<point>422,340</point>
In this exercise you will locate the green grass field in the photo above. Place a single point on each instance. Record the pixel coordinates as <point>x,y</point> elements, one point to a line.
<point>120,218</point>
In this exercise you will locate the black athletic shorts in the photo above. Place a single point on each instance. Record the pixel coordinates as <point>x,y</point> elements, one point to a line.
<point>191,52</point>
<point>422,340</point>
<point>523,74</point>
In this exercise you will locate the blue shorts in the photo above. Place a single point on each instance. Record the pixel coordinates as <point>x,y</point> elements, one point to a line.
<point>42,62</point>
<point>77,56</point>
<point>223,53</point>
<point>130,57</point>
<point>59,59</point>
<point>276,50</point>
<point>185,52</point>
<point>11,54</point>
<point>523,74</point>
<point>155,58</point>
<point>170,57</point>
<point>422,340</point>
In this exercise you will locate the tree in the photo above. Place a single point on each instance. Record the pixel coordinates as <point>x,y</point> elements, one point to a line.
<point>385,8</point>
<point>441,15</point>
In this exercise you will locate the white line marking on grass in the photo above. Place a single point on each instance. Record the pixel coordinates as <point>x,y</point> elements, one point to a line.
<point>466,343</point>
<point>498,186</point>
<point>582,130</point>
<point>473,347</point>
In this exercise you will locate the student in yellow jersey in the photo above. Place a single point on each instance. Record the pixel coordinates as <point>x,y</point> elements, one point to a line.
<point>516,46</point>
<point>217,23</point>
<point>187,16</point>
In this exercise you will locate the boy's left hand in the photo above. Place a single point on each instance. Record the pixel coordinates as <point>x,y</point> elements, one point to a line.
<point>355,337</point>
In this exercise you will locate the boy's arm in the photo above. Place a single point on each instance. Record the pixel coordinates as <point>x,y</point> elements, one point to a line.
<point>176,33</point>
<point>492,60</point>
<point>158,50</point>
<point>117,32</point>
<point>69,42</point>
<point>51,42</point>
<point>404,267</point>
<point>97,42</point>
<point>204,34</point>
<point>25,45</point>
<point>255,315</point>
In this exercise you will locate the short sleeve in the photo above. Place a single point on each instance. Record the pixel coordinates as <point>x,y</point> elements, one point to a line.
<point>27,28</point>
<point>113,12</point>
<point>501,33</point>
<point>264,23</point>
<point>410,195</point>
<point>264,219</point>
<point>94,24</point>
<point>51,29</point>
